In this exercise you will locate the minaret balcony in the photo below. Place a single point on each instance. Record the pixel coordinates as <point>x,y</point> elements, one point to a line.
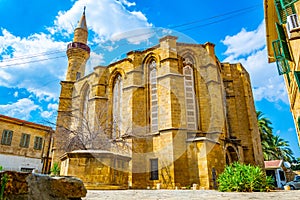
<point>79,45</point>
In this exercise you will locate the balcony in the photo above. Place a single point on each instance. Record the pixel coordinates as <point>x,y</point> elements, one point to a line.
<point>78,45</point>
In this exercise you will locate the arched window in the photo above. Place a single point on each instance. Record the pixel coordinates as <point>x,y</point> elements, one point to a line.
<point>153,96</point>
<point>85,104</point>
<point>117,107</point>
<point>189,89</point>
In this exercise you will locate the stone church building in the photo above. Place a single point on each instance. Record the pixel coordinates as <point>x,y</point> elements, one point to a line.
<point>169,116</point>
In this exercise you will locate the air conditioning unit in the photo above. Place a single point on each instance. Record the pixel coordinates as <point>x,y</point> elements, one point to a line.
<point>292,23</point>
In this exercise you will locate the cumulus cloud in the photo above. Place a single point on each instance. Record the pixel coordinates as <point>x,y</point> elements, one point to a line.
<point>38,62</point>
<point>20,109</point>
<point>249,48</point>
<point>110,18</point>
<point>35,63</point>
<point>245,42</point>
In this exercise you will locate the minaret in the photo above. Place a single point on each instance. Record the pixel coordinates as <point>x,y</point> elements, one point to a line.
<point>78,52</point>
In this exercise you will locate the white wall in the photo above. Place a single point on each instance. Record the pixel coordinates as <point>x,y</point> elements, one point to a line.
<point>15,163</point>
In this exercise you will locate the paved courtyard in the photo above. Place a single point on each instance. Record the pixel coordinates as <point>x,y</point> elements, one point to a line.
<point>187,194</point>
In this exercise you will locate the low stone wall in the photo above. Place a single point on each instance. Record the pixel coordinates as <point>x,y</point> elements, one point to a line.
<point>16,186</point>
<point>24,186</point>
<point>54,188</point>
<point>97,169</point>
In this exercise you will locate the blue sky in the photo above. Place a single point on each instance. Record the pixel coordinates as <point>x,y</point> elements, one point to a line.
<point>34,35</point>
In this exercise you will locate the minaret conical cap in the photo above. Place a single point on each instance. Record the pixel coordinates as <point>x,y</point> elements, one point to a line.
<point>82,22</point>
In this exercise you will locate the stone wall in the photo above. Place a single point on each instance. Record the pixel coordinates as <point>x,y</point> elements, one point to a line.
<point>97,169</point>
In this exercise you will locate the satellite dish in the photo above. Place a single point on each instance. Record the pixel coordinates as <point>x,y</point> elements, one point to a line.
<point>287,165</point>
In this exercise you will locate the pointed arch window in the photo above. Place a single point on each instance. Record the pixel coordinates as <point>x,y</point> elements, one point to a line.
<point>189,89</point>
<point>117,107</point>
<point>153,97</point>
<point>85,105</point>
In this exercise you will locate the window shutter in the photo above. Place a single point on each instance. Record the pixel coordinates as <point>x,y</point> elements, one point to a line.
<point>284,48</point>
<point>284,8</point>
<point>27,140</point>
<point>297,76</point>
<point>287,3</point>
<point>22,141</point>
<point>3,137</point>
<point>283,66</point>
<point>35,146</point>
<point>10,137</point>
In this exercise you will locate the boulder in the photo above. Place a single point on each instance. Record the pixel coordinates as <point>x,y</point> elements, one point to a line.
<point>44,187</point>
<point>16,187</point>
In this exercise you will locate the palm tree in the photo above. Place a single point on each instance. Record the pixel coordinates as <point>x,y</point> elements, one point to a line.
<point>274,147</point>
<point>281,149</point>
<point>264,126</point>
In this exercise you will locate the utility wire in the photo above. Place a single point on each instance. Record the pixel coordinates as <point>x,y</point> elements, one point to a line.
<point>233,14</point>
<point>33,61</point>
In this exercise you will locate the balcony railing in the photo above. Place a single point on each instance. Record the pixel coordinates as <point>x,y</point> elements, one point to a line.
<point>78,45</point>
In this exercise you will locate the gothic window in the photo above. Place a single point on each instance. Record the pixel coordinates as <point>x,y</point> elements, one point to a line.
<point>153,97</point>
<point>85,104</point>
<point>117,106</point>
<point>189,89</point>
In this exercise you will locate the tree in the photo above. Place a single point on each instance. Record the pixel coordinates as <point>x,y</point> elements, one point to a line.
<point>274,147</point>
<point>280,149</point>
<point>264,126</point>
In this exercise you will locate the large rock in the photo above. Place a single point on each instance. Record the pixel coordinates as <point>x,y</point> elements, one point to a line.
<point>44,187</point>
<point>16,187</point>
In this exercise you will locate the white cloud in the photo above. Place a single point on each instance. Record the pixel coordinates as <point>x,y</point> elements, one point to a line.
<point>52,106</point>
<point>37,63</point>
<point>249,48</point>
<point>245,42</point>
<point>127,3</point>
<point>16,94</point>
<point>110,18</point>
<point>291,129</point>
<point>20,109</point>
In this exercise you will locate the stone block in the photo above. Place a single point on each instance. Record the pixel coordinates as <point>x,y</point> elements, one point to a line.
<point>44,187</point>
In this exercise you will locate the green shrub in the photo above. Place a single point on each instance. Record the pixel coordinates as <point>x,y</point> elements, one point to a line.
<point>4,180</point>
<point>55,170</point>
<point>244,178</point>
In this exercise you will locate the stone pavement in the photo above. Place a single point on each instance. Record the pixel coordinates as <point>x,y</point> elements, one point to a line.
<point>188,194</point>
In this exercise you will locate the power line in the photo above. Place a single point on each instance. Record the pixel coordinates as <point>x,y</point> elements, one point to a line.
<point>45,53</point>
<point>218,16</point>
<point>230,15</point>
<point>33,61</point>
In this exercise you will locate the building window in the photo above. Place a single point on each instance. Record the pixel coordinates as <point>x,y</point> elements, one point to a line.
<point>23,169</point>
<point>190,95</point>
<point>154,169</point>
<point>153,97</point>
<point>38,143</point>
<point>117,107</point>
<point>297,76</point>
<point>6,137</point>
<point>25,139</point>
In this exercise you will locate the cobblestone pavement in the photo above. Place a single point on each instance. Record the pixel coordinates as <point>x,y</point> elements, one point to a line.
<point>188,194</point>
